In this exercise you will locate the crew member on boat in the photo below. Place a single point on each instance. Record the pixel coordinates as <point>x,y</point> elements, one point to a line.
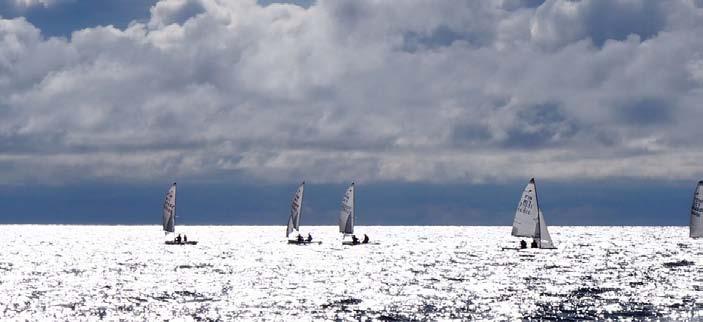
<point>355,240</point>
<point>366,239</point>
<point>523,244</point>
<point>534,244</point>
<point>309,239</point>
<point>178,238</point>
<point>185,238</point>
<point>300,238</point>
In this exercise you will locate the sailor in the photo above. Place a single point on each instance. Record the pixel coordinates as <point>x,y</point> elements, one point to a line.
<point>178,238</point>
<point>534,244</point>
<point>185,238</point>
<point>355,240</point>
<point>366,239</point>
<point>523,244</point>
<point>309,239</point>
<point>300,238</point>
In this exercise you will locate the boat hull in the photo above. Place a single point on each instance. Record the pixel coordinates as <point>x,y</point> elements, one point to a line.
<point>351,243</point>
<point>295,242</point>
<point>526,249</point>
<point>172,242</point>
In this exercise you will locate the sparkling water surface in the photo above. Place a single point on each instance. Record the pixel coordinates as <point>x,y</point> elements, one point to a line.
<point>413,273</point>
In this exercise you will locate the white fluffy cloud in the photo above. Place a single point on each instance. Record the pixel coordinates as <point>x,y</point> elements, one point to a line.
<point>359,89</point>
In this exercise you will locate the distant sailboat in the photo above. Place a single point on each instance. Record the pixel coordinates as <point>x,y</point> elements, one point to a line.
<point>529,220</point>
<point>696,226</point>
<point>296,211</point>
<point>169,217</point>
<point>346,217</point>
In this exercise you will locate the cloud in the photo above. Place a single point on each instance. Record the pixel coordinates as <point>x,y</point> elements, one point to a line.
<point>559,22</point>
<point>358,90</point>
<point>24,4</point>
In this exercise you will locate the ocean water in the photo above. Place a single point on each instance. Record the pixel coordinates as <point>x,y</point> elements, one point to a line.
<point>414,273</point>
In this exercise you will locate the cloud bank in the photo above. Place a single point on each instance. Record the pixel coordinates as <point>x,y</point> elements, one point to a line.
<point>440,91</point>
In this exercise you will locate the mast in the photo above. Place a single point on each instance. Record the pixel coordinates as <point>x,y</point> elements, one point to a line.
<point>174,207</point>
<point>353,203</point>
<point>300,212</point>
<point>539,223</point>
<point>300,206</point>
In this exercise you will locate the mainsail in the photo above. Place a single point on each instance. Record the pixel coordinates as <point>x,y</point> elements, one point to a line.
<point>346,215</point>
<point>696,226</point>
<point>529,220</point>
<point>525,222</point>
<point>296,210</point>
<point>169,215</point>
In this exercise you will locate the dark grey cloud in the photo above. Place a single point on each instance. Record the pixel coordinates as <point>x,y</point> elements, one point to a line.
<point>470,134</point>
<point>558,22</point>
<point>375,91</point>
<point>442,36</point>
<point>513,5</point>
<point>539,126</point>
<point>302,3</point>
<point>648,111</point>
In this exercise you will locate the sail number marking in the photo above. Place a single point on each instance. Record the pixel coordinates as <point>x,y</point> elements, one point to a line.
<point>525,205</point>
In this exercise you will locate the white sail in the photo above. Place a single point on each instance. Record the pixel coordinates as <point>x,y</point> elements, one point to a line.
<point>526,219</point>
<point>296,210</point>
<point>696,226</point>
<point>544,240</point>
<point>346,215</point>
<point>169,214</point>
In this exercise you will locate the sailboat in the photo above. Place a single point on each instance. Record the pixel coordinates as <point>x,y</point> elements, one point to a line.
<point>296,211</point>
<point>346,217</point>
<point>529,219</point>
<point>696,225</point>
<point>169,218</point>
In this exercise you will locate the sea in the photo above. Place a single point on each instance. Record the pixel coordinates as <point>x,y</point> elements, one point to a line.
<point>411,273</point>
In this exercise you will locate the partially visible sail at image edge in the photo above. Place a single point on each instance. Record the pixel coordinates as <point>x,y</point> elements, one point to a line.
<point>296,210</point>
<point>696,225</point>
<point>169,211</point>
<point>525,222</point>
<point>346,214</point>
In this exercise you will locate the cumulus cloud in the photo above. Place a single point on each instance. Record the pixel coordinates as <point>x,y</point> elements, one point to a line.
<point>359,90</point>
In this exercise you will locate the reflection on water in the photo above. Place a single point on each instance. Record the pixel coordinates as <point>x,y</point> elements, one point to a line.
<point>60,272</point>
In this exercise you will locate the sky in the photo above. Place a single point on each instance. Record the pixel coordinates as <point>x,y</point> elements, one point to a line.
<point>441,111</point>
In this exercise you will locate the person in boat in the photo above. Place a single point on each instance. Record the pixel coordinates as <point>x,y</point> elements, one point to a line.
<point>309,239</point>
<point>366,239</point>
<point>534,244</point>
<point>299,238</point>
<point>355,240</point>
<point>178,238</point>
<point>185,238</point>
<point>523,244</point>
